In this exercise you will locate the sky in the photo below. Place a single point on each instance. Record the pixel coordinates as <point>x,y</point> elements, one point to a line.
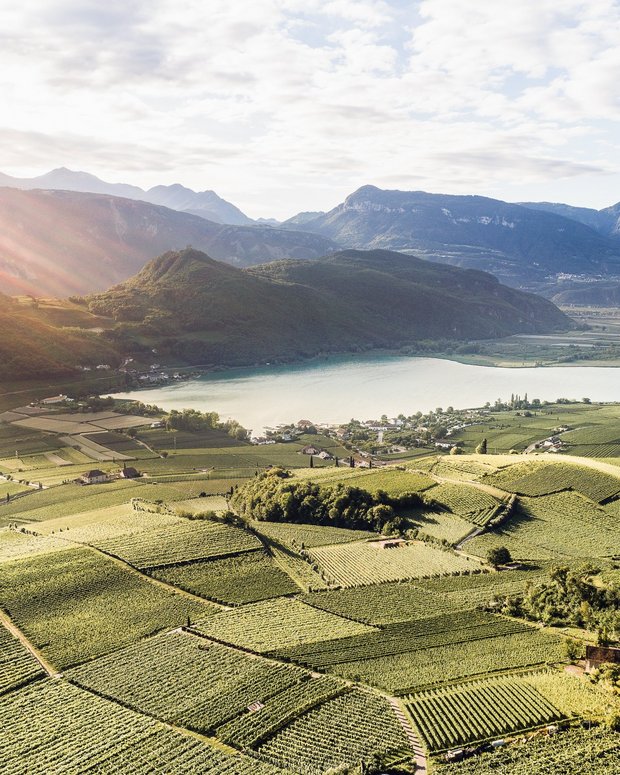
<point>282,106</point>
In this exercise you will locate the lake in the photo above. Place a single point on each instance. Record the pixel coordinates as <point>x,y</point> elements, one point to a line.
<point>365,387</point>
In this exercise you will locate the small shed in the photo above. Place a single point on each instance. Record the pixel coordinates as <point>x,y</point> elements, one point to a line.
<point>599,655</point>
<point>94,477</point>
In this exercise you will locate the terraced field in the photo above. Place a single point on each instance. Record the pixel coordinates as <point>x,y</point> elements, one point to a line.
<point>297,537</point>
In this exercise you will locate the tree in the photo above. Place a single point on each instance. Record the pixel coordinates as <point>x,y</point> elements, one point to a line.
<point>481,449</point>
<point>499,556</point>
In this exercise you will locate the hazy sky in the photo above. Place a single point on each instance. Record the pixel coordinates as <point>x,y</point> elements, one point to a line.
<point>288,105</point>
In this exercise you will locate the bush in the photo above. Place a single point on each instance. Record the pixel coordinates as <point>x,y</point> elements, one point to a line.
<point>498,556</point>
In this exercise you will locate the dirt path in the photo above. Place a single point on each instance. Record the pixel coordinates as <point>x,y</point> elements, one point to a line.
<point>403,719</point>
<point>12,628</point>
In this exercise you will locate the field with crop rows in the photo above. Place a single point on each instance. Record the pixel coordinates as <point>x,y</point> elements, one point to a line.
<point>593,751</point>
<point>277,624</point>
<point>244,578</point>
<point>253,727</point>
<point>560,525</point>
<point>90,527</point>
<point>77,604</point>
<point>403,673</point>
<point>76,731</point>
<point>17,665</point>
<point>185,679</point>
<point>478,711</point>
<point>441,525</point>
<point>297,537</point>
<point>403,638</point>
<point>536,479</point>
<point>573,695</point>
<point>472,504</point>
<point>15,544</point>
<point>298,569</point>
<point>340,732</point>
<point>181,542</point>
<point>423,598</point>
<point>363,563</point>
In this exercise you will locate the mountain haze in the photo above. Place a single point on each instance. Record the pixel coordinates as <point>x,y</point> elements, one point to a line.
<point>523,247</point>
<point>206,204</point>
<point>59,243</point>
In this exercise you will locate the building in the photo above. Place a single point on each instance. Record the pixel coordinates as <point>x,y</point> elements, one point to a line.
<point>310,450</point>
<point>94,477</point>
<point>130,473</point>
<point>599,655</point>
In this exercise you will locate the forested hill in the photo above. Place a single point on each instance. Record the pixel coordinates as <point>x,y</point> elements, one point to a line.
<point>199,310</point>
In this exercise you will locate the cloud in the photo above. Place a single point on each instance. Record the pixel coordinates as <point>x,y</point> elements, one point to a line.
<point>290,104</point>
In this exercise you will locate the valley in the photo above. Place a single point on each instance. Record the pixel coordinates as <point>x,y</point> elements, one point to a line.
<point>231,606</point>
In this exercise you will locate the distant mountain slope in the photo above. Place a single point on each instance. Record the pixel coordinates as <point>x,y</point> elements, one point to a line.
<point>605,221</point>
<point>59,243</point>
<point>201,311</point>
<point>206,204</point>
<point>520,245</point>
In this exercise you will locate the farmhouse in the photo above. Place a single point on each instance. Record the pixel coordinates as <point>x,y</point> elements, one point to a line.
<point>599,655</point>
<point>310,450</point>
<point>94,477</point>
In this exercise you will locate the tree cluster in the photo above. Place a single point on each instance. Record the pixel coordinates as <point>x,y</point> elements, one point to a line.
<point>274,496</point>
<point>569,597</point>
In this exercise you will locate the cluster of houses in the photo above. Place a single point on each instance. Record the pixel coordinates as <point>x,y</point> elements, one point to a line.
<point>96,476</point>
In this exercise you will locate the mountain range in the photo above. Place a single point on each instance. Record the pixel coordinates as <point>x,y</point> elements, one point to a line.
<point>522,246</point>
<point>206,204</point>
<point>61,243</point>
<point>200,311</point>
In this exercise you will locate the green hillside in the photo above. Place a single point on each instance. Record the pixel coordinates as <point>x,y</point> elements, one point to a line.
<point>202,311</point>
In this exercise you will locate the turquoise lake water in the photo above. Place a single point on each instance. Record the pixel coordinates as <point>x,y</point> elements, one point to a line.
<point>365,387</point>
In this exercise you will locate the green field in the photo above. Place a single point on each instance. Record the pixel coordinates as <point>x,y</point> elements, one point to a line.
<point>277,624</point>
<point>361,563</point>
<point>573,750</point>
<point>244,578</point>
<point>17,665</point>
<point>186,680</point>
<point>77,604</point>
<point>298,537</point>
<point>76,731</point>
<point>339,733</point>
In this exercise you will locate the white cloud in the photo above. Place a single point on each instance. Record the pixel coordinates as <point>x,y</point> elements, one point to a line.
<point>288,104</point>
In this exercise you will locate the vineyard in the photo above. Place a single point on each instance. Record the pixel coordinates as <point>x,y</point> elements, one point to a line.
<point>77,604</point>
<point>414,670</point>
<point>195,540</point>
<point>297,537</point>
<point>403,638</point>
<point>14,544</point>
<point>364,563</point>
<point>478,711</point>
<point>343,731</point>
<point>244,578</point>
<point>536,479</point>
<point>17,665</point>
<point>252,728</point>
<point>561,525</point>
<point>277,624</point>
<point>186,680</point>
<point>76,731</point>
<point>565,752</point>
<point>472,504</point>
